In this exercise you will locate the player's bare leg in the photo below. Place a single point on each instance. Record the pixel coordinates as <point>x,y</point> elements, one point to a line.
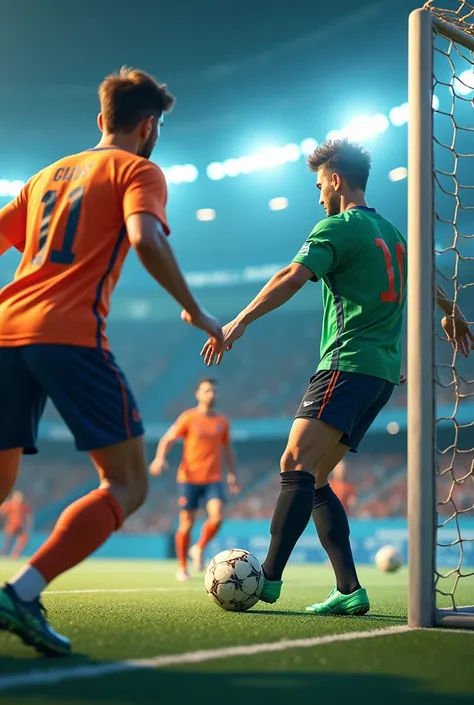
<point>9,466</point>
<point>80,530</point>
<point>215,515</point>
<point>330,520</point>
<point>310,440</point>
<point>20,544</point>
<point>182,541</point>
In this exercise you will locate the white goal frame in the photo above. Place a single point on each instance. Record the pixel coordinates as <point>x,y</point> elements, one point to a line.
<point>422,521</point>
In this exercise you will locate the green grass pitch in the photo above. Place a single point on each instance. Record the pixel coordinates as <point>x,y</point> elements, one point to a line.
<point>126,610</point>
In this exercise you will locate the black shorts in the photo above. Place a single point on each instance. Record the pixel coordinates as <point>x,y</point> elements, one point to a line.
<point>347,401</point>
<point>85,384</point>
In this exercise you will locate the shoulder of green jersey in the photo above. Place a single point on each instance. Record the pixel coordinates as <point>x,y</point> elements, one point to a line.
<point>327,225</point>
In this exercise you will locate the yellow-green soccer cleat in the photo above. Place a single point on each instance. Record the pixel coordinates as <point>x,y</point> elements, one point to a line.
<point>28,621</point>
<point>338,604</point>
<point>271,590</point>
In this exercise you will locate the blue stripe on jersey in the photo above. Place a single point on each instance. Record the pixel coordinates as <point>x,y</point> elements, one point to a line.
<point>101,283</point>
<point>339,318</point>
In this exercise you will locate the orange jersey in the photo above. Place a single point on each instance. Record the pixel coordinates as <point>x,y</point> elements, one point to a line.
<point>17,513</point>
<point>204,437</point>
<point>69,222</point>
<point>344,490</point>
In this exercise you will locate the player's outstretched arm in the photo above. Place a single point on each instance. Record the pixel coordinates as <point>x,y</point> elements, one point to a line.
<point>159,462</point>
<point>151,245</point>
<point>454,323</point>
<point>280,289</point>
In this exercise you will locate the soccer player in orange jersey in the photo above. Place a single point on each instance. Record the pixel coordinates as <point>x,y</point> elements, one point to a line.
<point>75,222</point>
<point>342,488</point>
<point>19,520</point>
<point>207,442</point>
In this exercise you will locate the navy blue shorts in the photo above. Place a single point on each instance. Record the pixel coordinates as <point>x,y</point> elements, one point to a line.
<point>347,401</point>
<point>192,496</point>
<point>86,386</point>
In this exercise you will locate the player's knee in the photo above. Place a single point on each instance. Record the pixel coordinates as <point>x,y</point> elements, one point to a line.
<point>292,460</point>
<point>135,492</point>
<point>185,525</point>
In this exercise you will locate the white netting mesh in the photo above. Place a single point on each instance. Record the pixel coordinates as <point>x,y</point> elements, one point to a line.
<point>453,124</point>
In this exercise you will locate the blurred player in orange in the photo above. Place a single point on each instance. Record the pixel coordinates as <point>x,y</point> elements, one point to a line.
<point>75,222</point>
<point>342,488</point>
<point>207,442</point>
<point>19,521</point>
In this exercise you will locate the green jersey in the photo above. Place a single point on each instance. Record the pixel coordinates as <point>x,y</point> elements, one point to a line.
<point>361,259</point>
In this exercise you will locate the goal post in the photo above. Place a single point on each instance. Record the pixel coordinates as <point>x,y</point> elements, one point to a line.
<point>440,249</point>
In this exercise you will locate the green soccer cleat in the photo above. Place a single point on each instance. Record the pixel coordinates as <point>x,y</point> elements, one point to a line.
<point>338,604</point>
<point>271,590</point>
<point>28,621</point>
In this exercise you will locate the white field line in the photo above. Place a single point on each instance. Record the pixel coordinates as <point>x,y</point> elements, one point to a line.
<point>56,675</point>
<point>119,590</point>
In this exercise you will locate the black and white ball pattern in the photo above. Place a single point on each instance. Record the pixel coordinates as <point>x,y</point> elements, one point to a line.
<point>234,580</point>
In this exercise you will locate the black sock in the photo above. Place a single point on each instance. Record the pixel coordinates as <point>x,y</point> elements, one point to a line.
<point>290,518</point>
<point>330,520</point>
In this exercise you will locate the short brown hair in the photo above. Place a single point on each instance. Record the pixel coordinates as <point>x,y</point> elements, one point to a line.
<point>131,95</point>
<point>349,159</point>
<point>206,380</point>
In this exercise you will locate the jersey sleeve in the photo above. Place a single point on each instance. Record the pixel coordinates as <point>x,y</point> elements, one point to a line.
<point>181,426</point>
<point>328,246</point>
<point>146,192</point>
<point>13,222</point>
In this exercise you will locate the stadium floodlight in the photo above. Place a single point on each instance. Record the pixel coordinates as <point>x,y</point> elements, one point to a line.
<point>206,214</point>
<point>464,85</point>
<point>439,441</point>
<point>398,174</point>
<point>308,146</point>
<point>10,189</point>
<point>246,165</point>
<point>291,152</point>
<point>189,173</point>
<point>399,115</point>
<point>365,127</point>
<point>215,171</point>
<point>231,167</point>
<point>335,135</point>
<point>278,204</point>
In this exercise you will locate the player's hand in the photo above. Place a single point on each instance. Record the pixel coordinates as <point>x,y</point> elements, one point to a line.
<point>459,333</point>
<point>208,324</point>
<point>232,332</point>
<point>233,484</point>
<point>158,466</point>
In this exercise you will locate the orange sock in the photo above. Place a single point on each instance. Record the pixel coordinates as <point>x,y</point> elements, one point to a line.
<point>80,530</point>
<point>209,530</point>
<point>182,541</point>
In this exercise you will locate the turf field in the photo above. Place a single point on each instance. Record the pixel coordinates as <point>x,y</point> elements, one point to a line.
<point>141,638</point>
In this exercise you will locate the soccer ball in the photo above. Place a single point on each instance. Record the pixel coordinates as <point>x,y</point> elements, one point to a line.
<point>234,580</point>
<point>388,559</point>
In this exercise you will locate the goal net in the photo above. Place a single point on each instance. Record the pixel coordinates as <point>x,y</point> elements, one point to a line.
<point>441,252</point>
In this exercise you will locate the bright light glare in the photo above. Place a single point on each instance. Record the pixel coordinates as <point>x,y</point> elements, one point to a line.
<point>435,102</point>
<point>399,115</point>
<point>393,428</point>
<point>308,145</point>
<point>215,171</point>
<point>398,174</point>
<point>10,188</point>
<point>465,83</point>
<point>189,173</point>
<point>278,204</point>
<point>231,167</point>
<point>206,214</point>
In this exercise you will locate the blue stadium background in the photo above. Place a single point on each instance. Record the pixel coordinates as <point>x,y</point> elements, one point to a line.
<point>251,102</point>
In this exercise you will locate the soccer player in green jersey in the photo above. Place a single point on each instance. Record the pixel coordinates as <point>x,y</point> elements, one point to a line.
<point>360,258</point>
